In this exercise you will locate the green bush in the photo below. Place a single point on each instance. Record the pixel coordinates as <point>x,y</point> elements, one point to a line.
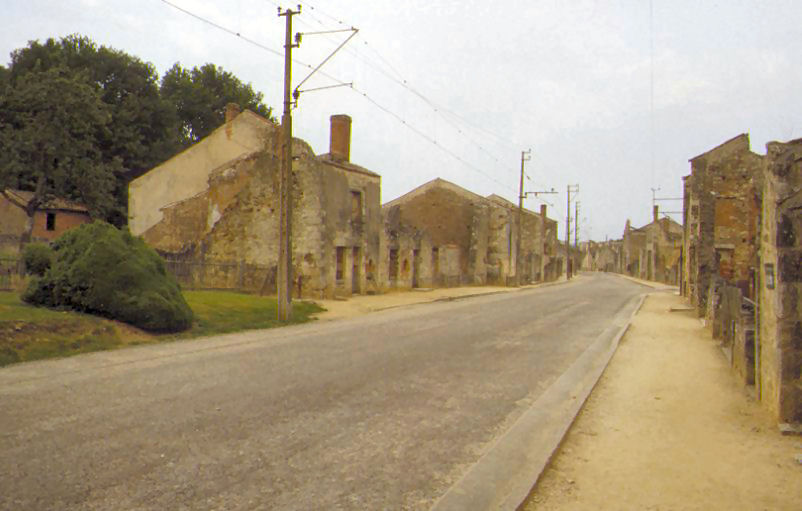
<point>101,270</point>
<point>37,258</point>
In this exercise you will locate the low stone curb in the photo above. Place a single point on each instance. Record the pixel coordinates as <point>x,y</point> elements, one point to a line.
<point>505,475</point>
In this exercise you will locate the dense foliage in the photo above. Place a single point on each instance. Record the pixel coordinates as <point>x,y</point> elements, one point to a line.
<point>200,96</point>
<point>99,269</point>
<point>78,120</point>
<point>37,257</point>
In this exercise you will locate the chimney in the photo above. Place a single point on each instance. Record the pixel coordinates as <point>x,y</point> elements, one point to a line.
<point>232,110</point>
<point>340,138</point>
<point>655,212</point>
<point>543,211</point>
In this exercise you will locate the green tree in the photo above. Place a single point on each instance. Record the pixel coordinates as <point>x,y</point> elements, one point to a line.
<point>50,126</point>
<point>200,96</point>
<point>139,131</point>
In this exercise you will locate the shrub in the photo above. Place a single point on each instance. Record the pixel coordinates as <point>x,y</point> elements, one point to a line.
<point>101,270</point>
<point>37,258</point>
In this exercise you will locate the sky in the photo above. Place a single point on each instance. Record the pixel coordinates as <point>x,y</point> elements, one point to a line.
<point>613,96</point>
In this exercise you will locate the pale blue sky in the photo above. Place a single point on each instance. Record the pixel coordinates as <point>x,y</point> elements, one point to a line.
<point>572,80</point>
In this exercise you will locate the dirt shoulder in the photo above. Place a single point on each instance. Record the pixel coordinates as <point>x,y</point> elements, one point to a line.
<point>669,427</point>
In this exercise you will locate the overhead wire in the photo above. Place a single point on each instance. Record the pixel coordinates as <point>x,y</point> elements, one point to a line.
<point>338,81</point>
<point>439,109</point>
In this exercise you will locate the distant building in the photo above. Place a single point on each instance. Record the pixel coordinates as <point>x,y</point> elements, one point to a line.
<point>458,225</point>
<point>466,239</point>
<point>50,219</point>
<point>659,249</point>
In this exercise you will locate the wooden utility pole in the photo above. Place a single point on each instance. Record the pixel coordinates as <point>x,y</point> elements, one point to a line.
<point>568,233</point>
<point>525,156</point>
<point>576,231</point>
<point>576,224</point>
<point>284,280</point>
<point>568,265</point>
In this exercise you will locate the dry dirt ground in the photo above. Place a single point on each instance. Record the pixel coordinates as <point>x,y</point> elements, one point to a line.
<point>669,427</point>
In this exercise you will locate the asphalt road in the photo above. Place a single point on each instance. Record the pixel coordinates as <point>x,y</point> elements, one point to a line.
<point>384,411</point>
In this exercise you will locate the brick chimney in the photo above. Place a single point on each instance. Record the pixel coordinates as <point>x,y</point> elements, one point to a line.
<point>340,137</point>
<point>543,210</point>
<point>655,212</point>
<point>232,110</point>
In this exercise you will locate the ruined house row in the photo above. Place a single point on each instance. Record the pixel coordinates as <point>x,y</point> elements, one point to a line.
<point>652,252</point>
<point>212,211</point>
<point>737,258</point>
<point>742,268</point>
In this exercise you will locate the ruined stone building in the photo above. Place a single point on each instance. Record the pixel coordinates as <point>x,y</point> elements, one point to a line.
<point>653,252</point>
<point>538,242</point>
<point>743,263</point>
<point>721,217</point>
<point>49,221</point>
<point>409,259</point>
<point>444,235</point>
<point>214,208</point>
<point>602,256</point>
<point>458,225</point>
<point>633,242</point>
<point>779,352</point>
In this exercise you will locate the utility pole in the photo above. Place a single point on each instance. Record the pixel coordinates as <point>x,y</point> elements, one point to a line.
<point>576,230</point>
<point>284,280</point>
<point>568,265</point>
<point>525,156</point>
<point>576,224</point>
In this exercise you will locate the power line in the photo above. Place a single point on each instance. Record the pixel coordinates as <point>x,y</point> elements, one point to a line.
<point>341,82</point>
<point>224,29</point>
<point>440,110</point>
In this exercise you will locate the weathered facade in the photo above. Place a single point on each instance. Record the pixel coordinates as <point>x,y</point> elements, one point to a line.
<point>538,243</point>
<point>659,258</point>
<point>215,206</point>
<point>779,355</point>
<point>463,238</point>
<point>721,216</point>
<point>602,256</point>
<point>50,220</point>
<point>458,223</point>
<point>409,259</point>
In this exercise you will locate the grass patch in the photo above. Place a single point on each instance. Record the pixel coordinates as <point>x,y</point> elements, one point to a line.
<point>33,333</point>
<point>220,312</point>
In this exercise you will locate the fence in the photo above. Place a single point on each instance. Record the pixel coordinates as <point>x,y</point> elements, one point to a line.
<point>235,275</point>
<point>733,321</point>
<point>12,274</point>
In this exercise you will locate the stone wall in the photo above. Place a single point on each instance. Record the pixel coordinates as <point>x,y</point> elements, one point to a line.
<point>780,290</point>
<point>450,216</point>
<point>722,214</point>
<point>232,219</point>
<point>187,174</point>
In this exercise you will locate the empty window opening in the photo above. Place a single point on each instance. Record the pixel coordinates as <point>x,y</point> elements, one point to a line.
<point>340,262</point>
<point>393,263</point>
<point>51,222</point>
<point>356,205</point>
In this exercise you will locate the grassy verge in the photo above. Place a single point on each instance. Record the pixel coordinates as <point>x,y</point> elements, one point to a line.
<point>32,333</point>
<point>219,312</point>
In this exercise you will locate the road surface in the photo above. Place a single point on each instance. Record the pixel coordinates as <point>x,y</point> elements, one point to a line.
<point>384,411</point>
